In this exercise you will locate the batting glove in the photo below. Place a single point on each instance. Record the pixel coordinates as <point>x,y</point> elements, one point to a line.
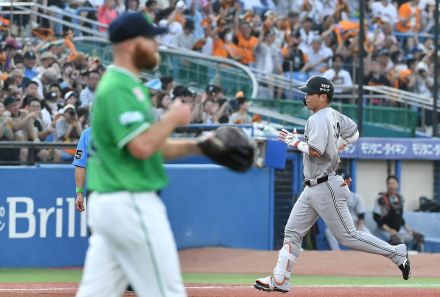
<point>289,138</point>
<point>341,144</point>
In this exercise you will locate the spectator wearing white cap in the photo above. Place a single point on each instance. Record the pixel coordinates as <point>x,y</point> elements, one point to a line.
<point>422,82</point>
<point>71,98</point>
<point>46,60</point>
<point>67,127</point>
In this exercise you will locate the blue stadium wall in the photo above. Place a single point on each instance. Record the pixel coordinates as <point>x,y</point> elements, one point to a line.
<point>207,206</point>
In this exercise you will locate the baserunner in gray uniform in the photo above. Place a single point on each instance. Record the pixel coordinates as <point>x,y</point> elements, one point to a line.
<point>325,194</point>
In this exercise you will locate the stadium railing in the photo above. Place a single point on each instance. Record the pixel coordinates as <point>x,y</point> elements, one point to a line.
<point>390,117</point>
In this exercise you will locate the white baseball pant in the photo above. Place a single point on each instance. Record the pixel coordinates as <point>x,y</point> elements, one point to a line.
<point>131,242</point>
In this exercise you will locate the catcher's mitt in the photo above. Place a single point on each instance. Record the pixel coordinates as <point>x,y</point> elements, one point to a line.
<point>395,239</point>
<point>230,147</point>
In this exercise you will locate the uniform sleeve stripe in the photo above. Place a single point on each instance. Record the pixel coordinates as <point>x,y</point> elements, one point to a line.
<point>315,149</point>
<point>133,134</point>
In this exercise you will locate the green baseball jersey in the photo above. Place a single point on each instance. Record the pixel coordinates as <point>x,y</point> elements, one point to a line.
<point>121,112</point>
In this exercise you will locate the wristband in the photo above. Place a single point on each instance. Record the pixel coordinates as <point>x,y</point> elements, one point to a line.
<point>303,147</point>
<point>79,190</point>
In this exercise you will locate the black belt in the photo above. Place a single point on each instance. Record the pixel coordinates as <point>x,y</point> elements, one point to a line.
<point>318,181</point>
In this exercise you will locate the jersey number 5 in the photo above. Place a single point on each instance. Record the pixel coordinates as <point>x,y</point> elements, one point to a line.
<point>78,154</point>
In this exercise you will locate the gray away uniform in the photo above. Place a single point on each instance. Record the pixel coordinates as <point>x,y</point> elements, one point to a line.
<point>329,199</point>
<point>356,207</point>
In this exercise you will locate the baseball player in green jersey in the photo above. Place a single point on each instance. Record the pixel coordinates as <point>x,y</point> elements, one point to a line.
<point>131,240</point>
<point>325,194</point>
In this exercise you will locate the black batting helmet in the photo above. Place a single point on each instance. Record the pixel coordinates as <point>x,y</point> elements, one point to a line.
<point>319,85</point>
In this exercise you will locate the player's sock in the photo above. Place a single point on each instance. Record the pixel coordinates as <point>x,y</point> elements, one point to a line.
<point>284,266</point>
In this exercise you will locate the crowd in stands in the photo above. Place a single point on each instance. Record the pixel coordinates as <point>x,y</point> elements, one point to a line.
<point>208,107</point>
<point>298,38</point>
<point>48,91</point>
<point>293,38</point>
<point>47,88</point>
<point>46,94</point>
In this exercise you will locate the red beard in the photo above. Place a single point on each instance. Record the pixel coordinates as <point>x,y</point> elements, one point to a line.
<point>145,59</point>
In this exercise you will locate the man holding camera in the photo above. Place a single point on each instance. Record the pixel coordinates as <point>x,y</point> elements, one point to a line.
<point>68,128</point>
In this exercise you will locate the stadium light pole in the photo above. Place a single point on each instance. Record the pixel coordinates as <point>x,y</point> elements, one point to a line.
<point>361,64</point>
<point>435,86</point>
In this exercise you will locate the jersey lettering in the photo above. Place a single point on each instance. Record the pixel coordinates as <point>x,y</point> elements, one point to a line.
<point>337,131</point>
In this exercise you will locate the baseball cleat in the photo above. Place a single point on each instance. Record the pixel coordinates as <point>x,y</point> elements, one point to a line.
<point>268,284</point>
<point>405,267</point>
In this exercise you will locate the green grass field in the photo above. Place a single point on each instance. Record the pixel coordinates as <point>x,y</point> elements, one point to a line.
<point>74,275</point>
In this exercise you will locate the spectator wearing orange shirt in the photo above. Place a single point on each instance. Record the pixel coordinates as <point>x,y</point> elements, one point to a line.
<point>246,43</point>
<point>224,47</point>
<point>409,17</point>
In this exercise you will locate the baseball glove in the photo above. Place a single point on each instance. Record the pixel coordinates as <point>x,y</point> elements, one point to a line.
<point>230,147</point>
<point>395,239</point>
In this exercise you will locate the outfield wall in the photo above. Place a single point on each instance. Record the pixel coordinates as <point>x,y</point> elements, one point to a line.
<point>207,206</point>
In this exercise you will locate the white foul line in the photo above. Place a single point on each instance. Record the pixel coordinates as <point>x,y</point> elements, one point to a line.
<point>425,286</point>
<point>326,286</point>
<point>35,289</point>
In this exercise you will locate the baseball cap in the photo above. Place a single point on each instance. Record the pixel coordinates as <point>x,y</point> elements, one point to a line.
<point>47,55</point>
<point>182,91</point>
<point>132,25</point>
<point>67,107</point>
<point>51,74</point>
<point>166,79</point>
<point>51,96</point>
<point>68,95</point>
<point>383,52</point>
<point>318,85</point>
<point>11,43</point>
<point>213,89</point>
<point>11,99</point>
<point>30,55</point>
<point>154,84</point>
